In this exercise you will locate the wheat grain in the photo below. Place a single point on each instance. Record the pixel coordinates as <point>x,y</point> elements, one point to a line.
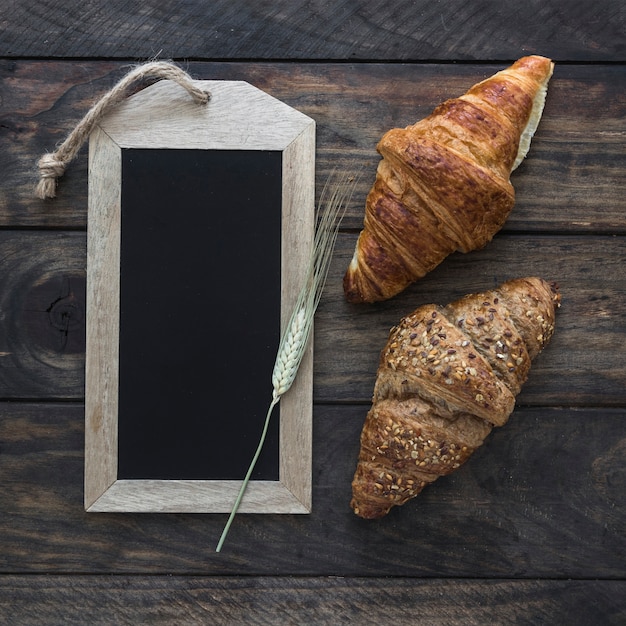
<point>295,338</point>
<point>290,354</point>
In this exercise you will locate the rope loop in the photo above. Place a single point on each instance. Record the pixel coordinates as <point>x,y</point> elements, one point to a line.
<point>52,165</point>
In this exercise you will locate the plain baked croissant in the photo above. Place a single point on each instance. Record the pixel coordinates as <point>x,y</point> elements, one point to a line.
<point>446,377</point>
<point>443,184</point>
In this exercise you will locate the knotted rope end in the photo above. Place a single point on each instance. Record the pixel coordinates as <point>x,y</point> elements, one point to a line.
<point>50,168</point>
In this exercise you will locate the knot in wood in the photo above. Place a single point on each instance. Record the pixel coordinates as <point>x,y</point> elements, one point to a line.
<point>65,313</point>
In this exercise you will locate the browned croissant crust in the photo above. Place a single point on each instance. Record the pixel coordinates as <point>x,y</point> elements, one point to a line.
<point>447,376</point>
<point>443,184</point>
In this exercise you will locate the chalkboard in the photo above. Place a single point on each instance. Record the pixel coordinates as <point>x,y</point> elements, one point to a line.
<point>200,227</point>
<point>200,312</point>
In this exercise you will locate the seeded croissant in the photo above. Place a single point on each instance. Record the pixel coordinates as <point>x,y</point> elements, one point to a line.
<point>443,184</point>
<point>446,377</point>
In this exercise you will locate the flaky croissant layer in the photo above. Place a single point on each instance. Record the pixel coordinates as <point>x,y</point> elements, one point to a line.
<point>446,376</point>
<point>443,183</point>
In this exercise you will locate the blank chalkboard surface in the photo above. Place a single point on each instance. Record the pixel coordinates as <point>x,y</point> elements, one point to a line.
<point>200,312</point>
<point>200,226</point>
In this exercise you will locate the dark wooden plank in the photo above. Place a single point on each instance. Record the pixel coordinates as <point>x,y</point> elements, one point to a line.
<point>42,327</point>
<point>295,29</point>
<point>545,496</point>
<point>582,365</point>
<point>45,600</point>
<point>572,180</point>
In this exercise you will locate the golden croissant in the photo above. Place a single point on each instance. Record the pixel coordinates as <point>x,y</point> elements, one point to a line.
<point>443,184</point>
<point>446,377</point>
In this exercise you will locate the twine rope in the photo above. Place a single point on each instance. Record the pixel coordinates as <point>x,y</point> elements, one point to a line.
<point>53,165</point>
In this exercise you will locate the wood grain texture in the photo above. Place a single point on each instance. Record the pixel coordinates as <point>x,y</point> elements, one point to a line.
<point>102,315</point>
<point>574,168</point>
<point>165,600</point>
<point>43,357</point>
<point>42,299</point>
<point>238,116</point>
<point>545,496</point>
<point>340,30</point>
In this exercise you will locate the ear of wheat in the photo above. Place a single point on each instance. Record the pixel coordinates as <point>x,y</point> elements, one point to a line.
<point>295,338</point>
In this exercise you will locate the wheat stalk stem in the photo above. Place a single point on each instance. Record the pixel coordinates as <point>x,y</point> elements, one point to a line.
<point>246,479</point>
<point>295,338</point>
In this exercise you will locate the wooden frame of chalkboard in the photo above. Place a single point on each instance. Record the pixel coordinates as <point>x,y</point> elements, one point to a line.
<point>158,121</point>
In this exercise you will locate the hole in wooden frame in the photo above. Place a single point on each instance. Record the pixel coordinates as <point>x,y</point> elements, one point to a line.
<point>161,118</point>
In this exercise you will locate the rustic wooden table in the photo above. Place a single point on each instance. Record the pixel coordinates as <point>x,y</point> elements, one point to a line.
<point>532,529</point>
